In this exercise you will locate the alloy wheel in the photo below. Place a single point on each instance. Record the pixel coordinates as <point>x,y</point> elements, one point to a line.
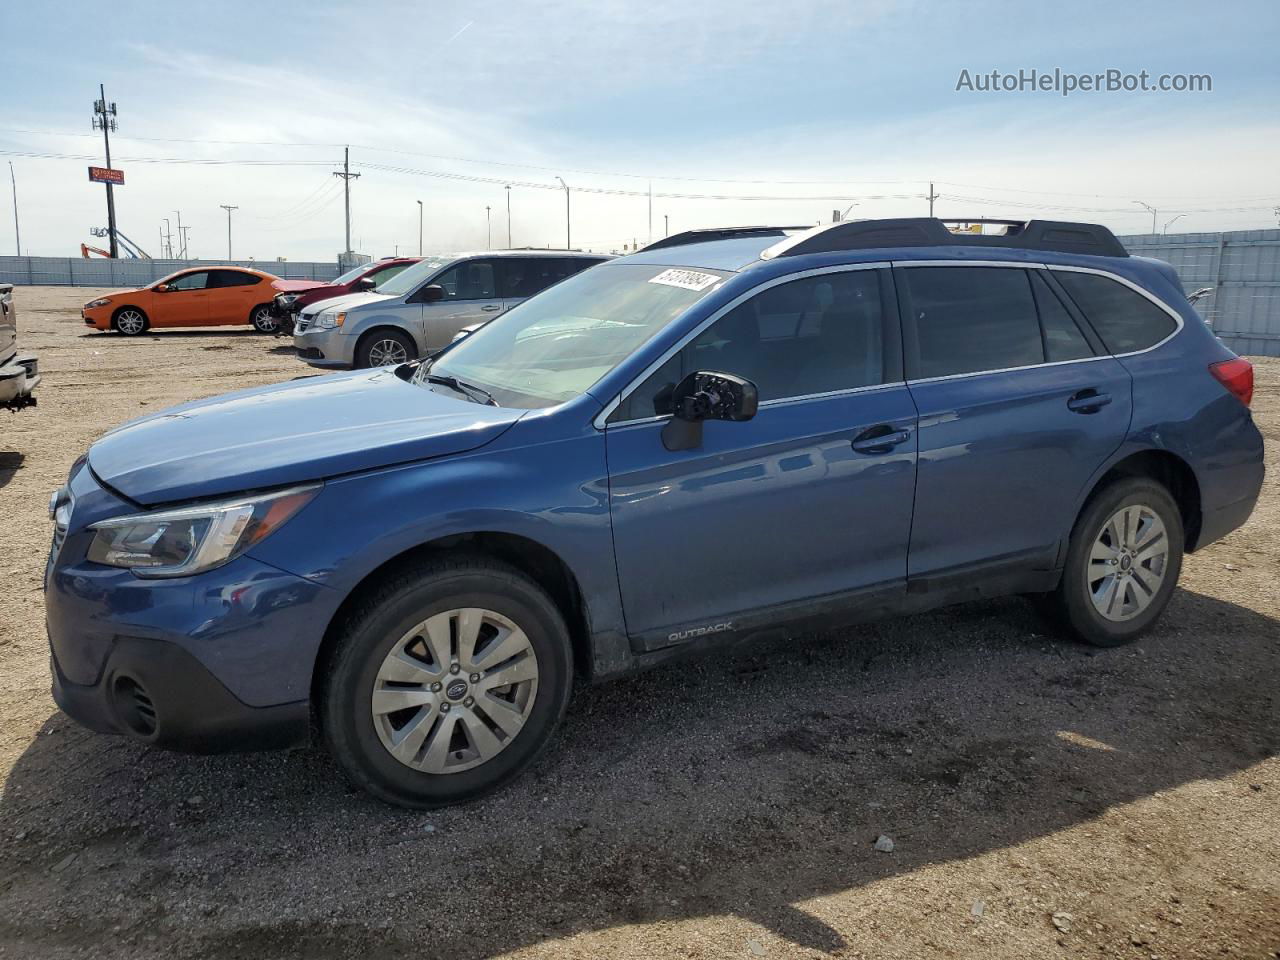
<point>130,322</point>
<point>387,353</point>
<point>264,321</point>
<point>1127,563</point>
<point>455,691</point>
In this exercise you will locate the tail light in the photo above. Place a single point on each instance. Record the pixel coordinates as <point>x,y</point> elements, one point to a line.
<point>1237,376</point>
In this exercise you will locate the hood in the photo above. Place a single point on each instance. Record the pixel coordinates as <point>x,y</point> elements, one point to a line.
<point>347,302</point>
<point>288,433</point>
<point>295,286</point>
<point>116,293</point>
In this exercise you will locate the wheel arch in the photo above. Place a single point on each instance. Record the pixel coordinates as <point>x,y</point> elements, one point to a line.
<point>1168,469</point>
<point>535,560</point>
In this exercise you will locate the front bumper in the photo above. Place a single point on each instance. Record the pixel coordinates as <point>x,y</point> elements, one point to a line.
<point>159,693</point>
<point>18,381</point>
<point>329,348</point>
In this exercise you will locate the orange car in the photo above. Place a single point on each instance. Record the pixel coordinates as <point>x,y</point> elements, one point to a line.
<point>206,297</point>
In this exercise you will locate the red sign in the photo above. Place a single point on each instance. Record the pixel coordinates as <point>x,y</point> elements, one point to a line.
<point>106,175</point>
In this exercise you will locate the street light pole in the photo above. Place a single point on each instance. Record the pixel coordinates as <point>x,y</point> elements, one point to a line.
<point>419,228</point>
<point>17,237</point>
<point>228,208</point>
<point>1147,206</point>
<point>488,228</point>
<point>508,216</point>
<point>666,225</point>
<point>182,239</point>
<point>1172,222</point>
<point>568,242</point>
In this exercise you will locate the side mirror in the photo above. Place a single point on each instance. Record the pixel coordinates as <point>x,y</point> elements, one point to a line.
<point>703,396</point>
<point>162,288</point>
<point>431,293</point>
<point>367,283</point>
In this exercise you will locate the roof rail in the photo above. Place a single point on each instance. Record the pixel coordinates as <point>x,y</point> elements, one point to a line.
<point>708,234</point>
<point>1055,235</point>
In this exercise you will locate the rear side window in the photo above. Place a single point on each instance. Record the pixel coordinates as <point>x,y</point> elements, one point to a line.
<point>470,280</point>
<point>1062,338</point>
<point>1125,320</point>
<point>970,319</point>
<point>232,278</point>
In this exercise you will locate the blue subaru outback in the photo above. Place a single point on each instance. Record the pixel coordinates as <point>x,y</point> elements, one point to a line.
<point>729,434</point>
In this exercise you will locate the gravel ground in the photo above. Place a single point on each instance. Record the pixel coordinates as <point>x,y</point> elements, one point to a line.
<point>1043,799</point>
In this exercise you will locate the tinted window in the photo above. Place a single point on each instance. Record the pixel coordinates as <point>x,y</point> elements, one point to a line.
<point>190,281</point>
<point>1124,319</point>
<point>470,280</point>
<point>386,273</point>
<point>1062,338</point>
<point>815,335</point>
<point>231,278</point>
<point>969,319</point>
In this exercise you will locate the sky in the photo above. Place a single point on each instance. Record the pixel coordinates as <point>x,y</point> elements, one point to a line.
<point>728,113</point>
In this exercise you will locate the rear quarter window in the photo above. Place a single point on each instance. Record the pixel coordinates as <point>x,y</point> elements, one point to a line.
<point>1124,319</point>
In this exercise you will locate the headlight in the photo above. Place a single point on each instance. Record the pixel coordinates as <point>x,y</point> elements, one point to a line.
<point>179,543</point>
<point>329,319</point>
<point>287,299</point>
<point>100,302</point>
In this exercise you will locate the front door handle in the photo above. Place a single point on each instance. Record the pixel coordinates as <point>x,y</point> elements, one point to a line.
<point>490,307</point>
<point>881,439</point>
<point>1088,401</point>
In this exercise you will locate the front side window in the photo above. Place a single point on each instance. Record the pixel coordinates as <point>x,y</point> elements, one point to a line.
<point>379,277</point>
<point>971,319</point>
<point>552,348</point>
<point>1125,319</point>
<point>410,278</point>
<point>470,280</point>
<point>814,335</point>
<point>190,281</point>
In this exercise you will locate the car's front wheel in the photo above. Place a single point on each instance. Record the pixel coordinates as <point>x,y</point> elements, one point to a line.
<point>1122,564</point>
<point>446,683</point>
<point>130,321</point>
<point>385,348</point>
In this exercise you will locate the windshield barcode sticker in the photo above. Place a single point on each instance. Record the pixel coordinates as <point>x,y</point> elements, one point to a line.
<point>688,279</point>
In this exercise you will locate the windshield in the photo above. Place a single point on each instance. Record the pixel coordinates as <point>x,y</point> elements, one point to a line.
<point>351,274</point>
<point>554,346</point>
<point>408,279</point>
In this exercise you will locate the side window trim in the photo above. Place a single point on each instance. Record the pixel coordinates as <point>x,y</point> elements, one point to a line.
<point>891,340</point>
<point>1179,323</point>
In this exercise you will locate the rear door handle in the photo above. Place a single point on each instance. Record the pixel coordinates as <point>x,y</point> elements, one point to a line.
<point>1088,401</point>
<point>881,439</point>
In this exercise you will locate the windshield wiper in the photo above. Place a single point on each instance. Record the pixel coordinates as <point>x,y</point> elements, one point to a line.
<point>467,389</point>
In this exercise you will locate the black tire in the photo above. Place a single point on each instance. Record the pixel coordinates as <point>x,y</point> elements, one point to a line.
<point>262,319</point>
<point>381,620</point>
<point>128,327</point>
<point>372,340</point>
<point>1072,603</point>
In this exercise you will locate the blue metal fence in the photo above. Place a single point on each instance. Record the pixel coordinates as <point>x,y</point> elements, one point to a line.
<point>79,272</point>
<point>1242,268</point>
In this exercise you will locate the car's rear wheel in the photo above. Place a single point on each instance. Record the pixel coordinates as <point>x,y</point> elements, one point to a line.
<point>1122,564</point>
<point>130,321</point>
<point>263,319</point>
<point>385,348</point>
<point>446,683</point>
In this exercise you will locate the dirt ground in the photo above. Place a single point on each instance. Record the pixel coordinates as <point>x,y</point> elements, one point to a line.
<point>1044,799</point>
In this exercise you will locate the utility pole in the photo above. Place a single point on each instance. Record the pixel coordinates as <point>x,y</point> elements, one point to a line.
<point>182,242</point>
<point>419,228</point>
<point>168,235</point>
<point>104,118</point>
<point>650,211</point>
<point>568,243</point>
<point>347,176</point>
<point>932,197</point>
<point>509,216</point>
<point>228,208</point>
<point>1147,206</point>
<point>17,237</point>
<point>488,228</point>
